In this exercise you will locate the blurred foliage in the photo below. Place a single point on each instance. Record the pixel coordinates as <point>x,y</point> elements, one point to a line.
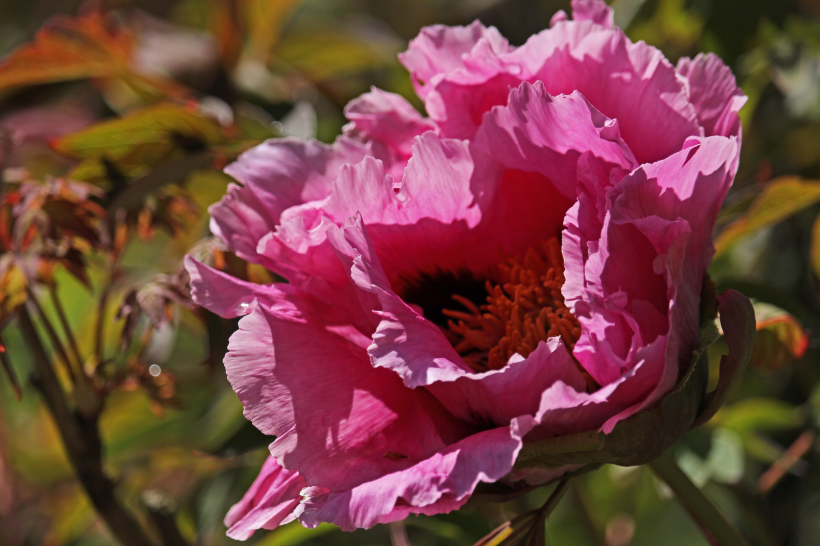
<point>115,124</point>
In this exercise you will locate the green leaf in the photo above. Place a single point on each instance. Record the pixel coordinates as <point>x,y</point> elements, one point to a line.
<point>780,199</point>
<point>725,459</point>
<point>331,54</point>
<point>293,534</point>
<point>759,414</point>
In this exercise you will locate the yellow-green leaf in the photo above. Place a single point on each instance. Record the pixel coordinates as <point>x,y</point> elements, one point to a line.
<point>780,199</point>
<point>137,141</point>
<point>264,20</point>
<point>328,54</point>
<point>814,250</point>
<point>757,415</point>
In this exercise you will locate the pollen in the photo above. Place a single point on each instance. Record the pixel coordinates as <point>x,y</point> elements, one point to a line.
<point>523,309</point>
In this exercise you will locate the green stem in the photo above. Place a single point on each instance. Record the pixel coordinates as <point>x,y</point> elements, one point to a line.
<point>69,334</point>
<point>699,506</point>
<point>52,334</point>
<point>557,494</point>
<point>6,363</point>
<point>596,537</point>
<point>82,443</point>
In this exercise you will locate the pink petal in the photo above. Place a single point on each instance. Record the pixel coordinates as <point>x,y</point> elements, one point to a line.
<point>221,293</point>
<point>714,93</point>
<point>418,225</point>
<point>288,172</point>
<point>416,350</point>
<point>632,83</point>
<point>593,10</point>
<point>386,117</point>
<point>240,221</point>
<point>642,278</point>
<point>276,175</point>
<point>439,49</point>
<point>272,500</point>
<point>540,133</point>
<point>304,376</point>
<point>441,483</point>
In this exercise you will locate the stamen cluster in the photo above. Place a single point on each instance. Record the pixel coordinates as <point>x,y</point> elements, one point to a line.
<point>524,308</point>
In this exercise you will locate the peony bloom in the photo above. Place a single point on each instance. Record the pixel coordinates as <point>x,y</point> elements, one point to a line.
<point>506,291</point>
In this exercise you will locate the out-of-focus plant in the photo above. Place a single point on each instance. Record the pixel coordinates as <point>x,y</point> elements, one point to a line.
<point>135,183</point>
<point>93,305</point>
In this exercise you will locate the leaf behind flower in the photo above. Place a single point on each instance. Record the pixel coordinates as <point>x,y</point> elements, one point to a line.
<point>780,199</point>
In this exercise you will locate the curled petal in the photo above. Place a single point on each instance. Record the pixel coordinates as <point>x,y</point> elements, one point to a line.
<point>714,93</point>
<point>439,49</point>
<point>537,132</point>
<point>387,118</point>
<point>272,500</point>
<point>439,484</point>
<point>593,10</point>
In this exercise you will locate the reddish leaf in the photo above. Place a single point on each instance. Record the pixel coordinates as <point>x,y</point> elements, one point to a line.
<point>780,338</point>
<point>72,48</point>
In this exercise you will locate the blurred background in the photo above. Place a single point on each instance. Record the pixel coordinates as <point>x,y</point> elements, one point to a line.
<point>145,101</point>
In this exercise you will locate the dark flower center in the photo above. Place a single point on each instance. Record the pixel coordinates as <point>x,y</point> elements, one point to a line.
<point>521,310</point>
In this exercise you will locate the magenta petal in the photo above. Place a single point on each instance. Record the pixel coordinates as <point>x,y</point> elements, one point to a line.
<point>404,341</point>
<point>276,175</point>
<point>630,82</point>
<point>221,293</point>
<point>272,500</point>
<point>441,483</point>
<point>714,93</point>
<point>417,351</point>
<point>386,117</point>
<point>439,49</point>
<point>500,396</point>
<point>593,10</point>
<point>537,132</point>
<point>303,375</point>
<point>241,221</point>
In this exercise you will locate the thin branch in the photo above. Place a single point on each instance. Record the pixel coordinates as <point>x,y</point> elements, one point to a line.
<point>52,335</point>
<point>784,464</point>
<point>99,328</point>
<point>711,520</point>
<point>69,334</point>
<point>81,439</point>
<point>528,529</point>
<point>552,503</point>
<point>582,508</point>
<point>161,510</point>
<point>4,360</point>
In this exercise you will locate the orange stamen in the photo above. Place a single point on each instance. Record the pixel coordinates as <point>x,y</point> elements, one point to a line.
<point>525,308</point>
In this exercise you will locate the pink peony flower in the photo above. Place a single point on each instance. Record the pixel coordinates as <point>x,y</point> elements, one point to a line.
<point>522,269</point>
